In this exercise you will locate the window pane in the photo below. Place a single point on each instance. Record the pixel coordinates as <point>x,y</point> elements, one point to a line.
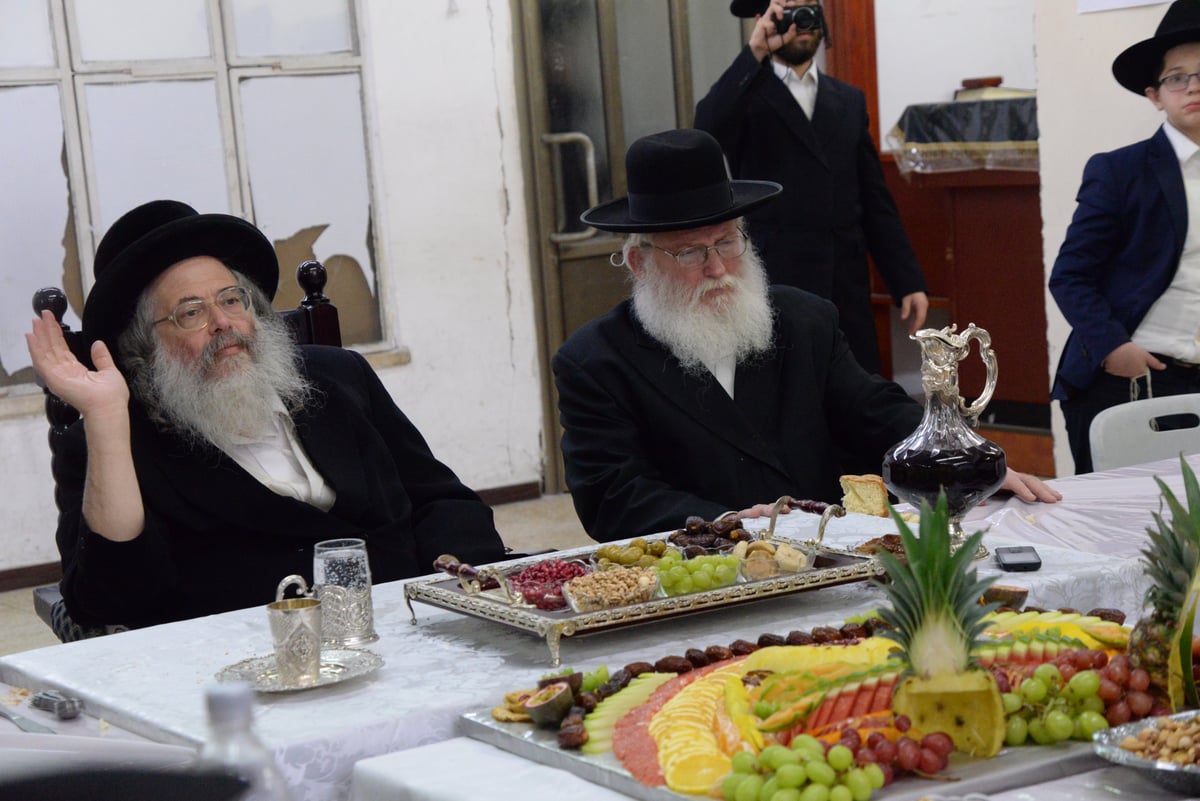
<point>155,139</point>
<point>571,58</point>
<point>34,217</point>
<point>647,77</point>
<point>25,39</point>
<point>291,27</point>
<point>308,176</point>
<point>139,30</point>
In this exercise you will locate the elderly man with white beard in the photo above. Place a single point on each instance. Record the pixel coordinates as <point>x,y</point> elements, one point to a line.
<point>709,390</point>
<point>212,451</point>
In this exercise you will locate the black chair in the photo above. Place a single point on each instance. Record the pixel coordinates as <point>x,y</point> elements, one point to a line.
<point>314,322</point>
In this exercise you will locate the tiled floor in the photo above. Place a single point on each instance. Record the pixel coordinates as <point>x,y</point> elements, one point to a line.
<point>548,522</point>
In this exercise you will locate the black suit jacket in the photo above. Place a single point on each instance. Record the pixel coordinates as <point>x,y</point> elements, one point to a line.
<point>835,206</point>
<point>216,539</point>
<point>646,444</point>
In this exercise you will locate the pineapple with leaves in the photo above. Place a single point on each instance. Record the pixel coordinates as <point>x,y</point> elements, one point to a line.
<point>1161,643</point>
<point>936,618</point>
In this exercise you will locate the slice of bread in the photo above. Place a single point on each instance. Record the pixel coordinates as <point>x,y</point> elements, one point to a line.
<point>865,495</point>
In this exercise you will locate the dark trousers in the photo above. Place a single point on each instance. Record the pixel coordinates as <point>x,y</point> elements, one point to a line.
<point>1110,390</point>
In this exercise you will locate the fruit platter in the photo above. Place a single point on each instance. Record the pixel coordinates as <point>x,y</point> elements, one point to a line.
<point>935,692</point>
<point>706,565</point>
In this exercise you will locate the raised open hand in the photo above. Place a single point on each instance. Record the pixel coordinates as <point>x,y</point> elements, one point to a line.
<point>92,392</point>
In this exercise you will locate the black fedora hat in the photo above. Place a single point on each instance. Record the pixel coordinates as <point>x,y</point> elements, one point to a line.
<point>1136,68</point>
<point>144,242</point>
<point>678,180</point>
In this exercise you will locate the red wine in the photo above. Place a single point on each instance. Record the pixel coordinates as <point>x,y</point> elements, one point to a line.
<point>967,475</point>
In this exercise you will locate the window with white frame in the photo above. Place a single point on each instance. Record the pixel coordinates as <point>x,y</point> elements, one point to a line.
<point>246,107</point>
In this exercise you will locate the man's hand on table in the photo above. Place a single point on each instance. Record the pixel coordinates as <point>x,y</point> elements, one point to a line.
<point>1029,488</point>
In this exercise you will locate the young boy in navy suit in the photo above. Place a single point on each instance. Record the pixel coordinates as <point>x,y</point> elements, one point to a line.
<point>1127,277</point>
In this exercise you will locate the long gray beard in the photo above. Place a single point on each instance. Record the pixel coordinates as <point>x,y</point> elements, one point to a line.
<point>219,408</point>
<point>698,335</point>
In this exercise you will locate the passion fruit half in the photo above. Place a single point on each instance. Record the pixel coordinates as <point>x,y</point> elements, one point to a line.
<point>549,705</point>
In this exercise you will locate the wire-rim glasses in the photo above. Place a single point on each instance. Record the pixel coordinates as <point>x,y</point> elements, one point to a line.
<point>691,258</point>
<point>1177,81</point>
<point>193,315</point>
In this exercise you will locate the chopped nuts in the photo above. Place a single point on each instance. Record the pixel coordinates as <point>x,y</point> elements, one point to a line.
<point>608,588</point>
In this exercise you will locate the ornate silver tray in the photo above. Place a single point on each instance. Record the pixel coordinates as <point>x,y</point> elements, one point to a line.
<point>832,566</point>
<point>1177,778</point>
<point>337,665</point>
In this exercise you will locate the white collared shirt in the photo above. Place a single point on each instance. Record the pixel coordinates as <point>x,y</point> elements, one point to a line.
<point>1172,326</point>
<point>724,371</point>
<point>278,461</point>
<point>804,89</point>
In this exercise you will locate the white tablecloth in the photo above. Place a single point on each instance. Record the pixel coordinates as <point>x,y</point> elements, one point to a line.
<point>151,681</point>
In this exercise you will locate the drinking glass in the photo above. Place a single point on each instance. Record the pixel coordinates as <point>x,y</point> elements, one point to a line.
<point>342,582</point>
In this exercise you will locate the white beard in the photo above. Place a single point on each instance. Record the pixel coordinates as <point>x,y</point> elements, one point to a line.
<point>737,324</point>
<point>240,399</point>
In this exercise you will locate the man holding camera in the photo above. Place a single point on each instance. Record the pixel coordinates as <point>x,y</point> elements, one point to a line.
<point>778,119</point>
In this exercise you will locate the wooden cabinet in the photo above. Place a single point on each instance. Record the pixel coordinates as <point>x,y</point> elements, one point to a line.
<point>978,238</point>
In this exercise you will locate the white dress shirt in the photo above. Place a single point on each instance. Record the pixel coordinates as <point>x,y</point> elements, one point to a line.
<point>1172,326</point>
<point>277,460</point>
<point>804,89</point>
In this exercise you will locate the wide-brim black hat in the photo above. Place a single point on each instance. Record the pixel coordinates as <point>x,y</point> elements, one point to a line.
<point>748,8</point>
<point>1136,68</point>
<point>678,180</point>
<point>144,242</point>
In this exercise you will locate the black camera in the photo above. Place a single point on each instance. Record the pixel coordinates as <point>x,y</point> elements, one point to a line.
<point>805,18</point>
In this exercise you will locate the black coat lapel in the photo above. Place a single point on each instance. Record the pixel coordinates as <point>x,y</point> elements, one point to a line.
<point>784,104</point>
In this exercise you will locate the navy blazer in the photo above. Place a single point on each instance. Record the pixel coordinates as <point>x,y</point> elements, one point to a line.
<point>1120,254</point>
<point>646,444</point>
<point>835,206</point>
<point>216,539</point>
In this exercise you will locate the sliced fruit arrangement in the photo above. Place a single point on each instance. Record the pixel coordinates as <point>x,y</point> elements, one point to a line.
<point>937,620</point>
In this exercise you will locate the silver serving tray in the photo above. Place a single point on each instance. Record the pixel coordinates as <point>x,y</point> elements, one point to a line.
<point>1011,768</point>
<point>1177,778</point>
<point>832,567</point>
<point>337,665</point>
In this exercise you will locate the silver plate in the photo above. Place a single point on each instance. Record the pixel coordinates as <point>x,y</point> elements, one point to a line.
<point>1178,778</point>
<point>336,666</point>
<point>831,567</point>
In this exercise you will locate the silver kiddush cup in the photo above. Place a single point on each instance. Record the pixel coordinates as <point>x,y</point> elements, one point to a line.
<point>342,582</point>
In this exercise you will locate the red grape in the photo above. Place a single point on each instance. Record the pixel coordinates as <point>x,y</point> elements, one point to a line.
<point>886,750</point>
<point>1140,703</point>
<point>1082,660</point>
<point>908,754</point>
<point>1109,691</point>
<point>851,739</point>
<point>902,723</point>
<point>864,755</point>
<point>1118,714</point>
<point>874,739</point>
<point>889,773</point>
<point>1099,659</point>
<point>1068,670</point>
<point>931,761</point>
<point>1139,680</point>
<point>938,741</point>
<point>1118,670</point>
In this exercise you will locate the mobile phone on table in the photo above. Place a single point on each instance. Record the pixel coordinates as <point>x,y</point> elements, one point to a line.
<point>1018,558</point>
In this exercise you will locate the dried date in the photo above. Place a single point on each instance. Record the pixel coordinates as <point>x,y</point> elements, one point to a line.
<point>825,634</point>
<point>638,668</point>
<point>673,664</point>
<point>798,637</point>
<point>854,631</point>
<point>718,653</point>
<point>742,647</point>
<point>1111,615</point>
<point>572,737</point>
<point>769,640</point>
<point>697,657</point>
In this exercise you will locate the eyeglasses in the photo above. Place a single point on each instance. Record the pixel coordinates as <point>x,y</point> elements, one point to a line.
<point>193,315</point>
<point>696,256</point>
<point>1177,81</point>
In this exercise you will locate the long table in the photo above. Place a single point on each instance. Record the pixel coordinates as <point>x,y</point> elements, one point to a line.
<point>150,681</point>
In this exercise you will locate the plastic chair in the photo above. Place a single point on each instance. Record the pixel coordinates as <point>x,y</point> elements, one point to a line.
<point>1131,433</point>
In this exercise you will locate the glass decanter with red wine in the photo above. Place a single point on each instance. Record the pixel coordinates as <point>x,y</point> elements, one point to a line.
<point>945,453</point>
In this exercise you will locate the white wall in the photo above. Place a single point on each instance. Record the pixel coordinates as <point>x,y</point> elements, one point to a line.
<point>925,48</point>
<point>1081,110</point>
<point>454,259</point>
